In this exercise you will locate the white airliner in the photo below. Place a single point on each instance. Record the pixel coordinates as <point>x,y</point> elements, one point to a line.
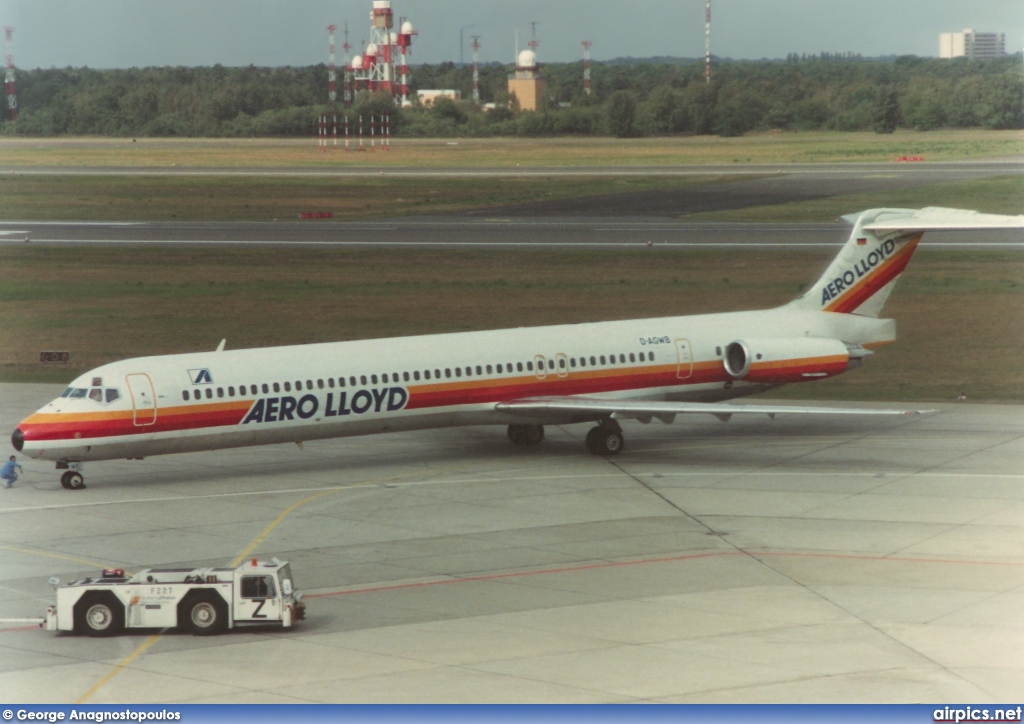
<point>524,378</point>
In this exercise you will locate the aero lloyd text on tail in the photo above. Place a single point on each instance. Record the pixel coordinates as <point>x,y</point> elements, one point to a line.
<point>525,378</point>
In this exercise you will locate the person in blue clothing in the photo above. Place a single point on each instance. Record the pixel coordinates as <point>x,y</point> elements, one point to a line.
<point>7,472</point>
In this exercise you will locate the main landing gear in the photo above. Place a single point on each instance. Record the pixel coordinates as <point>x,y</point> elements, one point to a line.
<point>605,439</point>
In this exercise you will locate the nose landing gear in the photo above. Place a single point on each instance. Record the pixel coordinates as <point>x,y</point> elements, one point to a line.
<point>72,480</point>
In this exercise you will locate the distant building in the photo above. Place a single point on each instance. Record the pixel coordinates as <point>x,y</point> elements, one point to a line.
<point>526,83</point>
<point>970,44</point>
<point>427,97</point>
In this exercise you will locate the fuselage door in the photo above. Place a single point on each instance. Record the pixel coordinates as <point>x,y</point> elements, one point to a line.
<point>541,369</point>
<point>143,398</point>
<point>562,362</point>
<point>685,369</point>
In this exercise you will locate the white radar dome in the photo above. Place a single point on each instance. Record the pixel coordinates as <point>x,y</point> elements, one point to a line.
<point>371,49</point>
<point>527,59</point>
<point>357,62</point>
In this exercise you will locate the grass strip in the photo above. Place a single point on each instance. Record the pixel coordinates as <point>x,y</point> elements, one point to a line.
<point>955,309</point>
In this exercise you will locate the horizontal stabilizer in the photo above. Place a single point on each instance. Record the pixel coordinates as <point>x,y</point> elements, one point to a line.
<point>936,218</point>
<point>640,409</point>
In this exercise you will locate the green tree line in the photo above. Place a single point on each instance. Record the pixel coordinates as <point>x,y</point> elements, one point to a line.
<point>628,98</point>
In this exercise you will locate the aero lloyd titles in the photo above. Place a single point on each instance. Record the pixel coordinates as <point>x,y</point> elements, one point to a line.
<point>860,270</point>
<point>280,409</point>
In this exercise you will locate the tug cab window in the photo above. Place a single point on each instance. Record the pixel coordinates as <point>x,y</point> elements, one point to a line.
<point>258,587</point>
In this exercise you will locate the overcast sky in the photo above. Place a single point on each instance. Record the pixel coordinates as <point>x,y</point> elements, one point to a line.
<point>127,33</point>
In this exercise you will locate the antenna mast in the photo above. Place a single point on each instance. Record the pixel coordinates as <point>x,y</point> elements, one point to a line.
<point>476,69</point>
<point>586,66</point>
<point>12,96</point>
<point>707,42</point>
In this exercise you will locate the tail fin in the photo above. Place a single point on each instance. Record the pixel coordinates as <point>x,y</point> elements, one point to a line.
<point>862,276</point>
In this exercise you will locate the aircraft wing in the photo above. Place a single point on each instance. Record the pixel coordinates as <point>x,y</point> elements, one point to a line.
<point>645,411</point>
<point>935,218</point>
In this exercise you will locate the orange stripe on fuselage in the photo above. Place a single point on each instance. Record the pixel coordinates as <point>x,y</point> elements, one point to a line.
<point>89,425</point>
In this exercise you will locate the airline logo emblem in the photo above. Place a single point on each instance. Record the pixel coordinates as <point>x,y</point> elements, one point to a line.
<point>861,269</point>
<point>201,377</point>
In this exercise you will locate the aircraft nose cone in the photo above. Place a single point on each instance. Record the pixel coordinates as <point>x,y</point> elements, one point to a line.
<point>18,439</point>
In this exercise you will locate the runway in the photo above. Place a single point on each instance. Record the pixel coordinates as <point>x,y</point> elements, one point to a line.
<point>852,560</point>
<point>488,233</point>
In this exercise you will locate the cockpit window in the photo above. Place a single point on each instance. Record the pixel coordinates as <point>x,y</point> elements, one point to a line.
<point>113,395</point>
<point>96,395</point>
<point>78,393</point>
<point>67,392</point>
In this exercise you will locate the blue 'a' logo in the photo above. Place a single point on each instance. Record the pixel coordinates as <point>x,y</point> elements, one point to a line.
<point>200,377</point>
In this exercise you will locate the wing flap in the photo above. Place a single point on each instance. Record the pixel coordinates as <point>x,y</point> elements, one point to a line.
<point>645,410</point>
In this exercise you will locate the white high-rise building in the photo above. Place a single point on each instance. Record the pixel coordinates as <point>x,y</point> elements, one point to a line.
<point>969,44</point>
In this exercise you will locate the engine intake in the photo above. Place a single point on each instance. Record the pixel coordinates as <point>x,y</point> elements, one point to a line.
<point>795,359</point>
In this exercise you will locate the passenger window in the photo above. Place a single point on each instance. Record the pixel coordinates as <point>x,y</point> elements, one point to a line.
<point>631,357</point>
<point>265,388</point>
<point>231,391</point>
<point>572,362</point>
<point>426,374</point>
<point>277,387</point>
<point>184,395</point>
<point>437,374</point>
<point>519,366</point>
<point>319,385</point>
<point>253,390</point>
<point>405,376</point>
<point>362,379</point>
<point>447,372</point>
<point>479,370</point>
<point>373,379</point>
<point>209,394</point>
<point>458,372</point>
<point>499,369</point>
<point>416,375</point>
<point>488,369</point>
<point>384,378</point>
<point>287,387</point>
<point>529,366</point>
<point>220,392</point>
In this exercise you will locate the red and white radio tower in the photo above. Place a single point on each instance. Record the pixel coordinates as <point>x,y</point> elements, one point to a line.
<point>476,68</point>
<point>347,93</point>
<point>405,33</point>
<point>332,73</point>
<point>707,42</point>
<point>12,96</point>
<point>586,66</point>
<point>374,69</point>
